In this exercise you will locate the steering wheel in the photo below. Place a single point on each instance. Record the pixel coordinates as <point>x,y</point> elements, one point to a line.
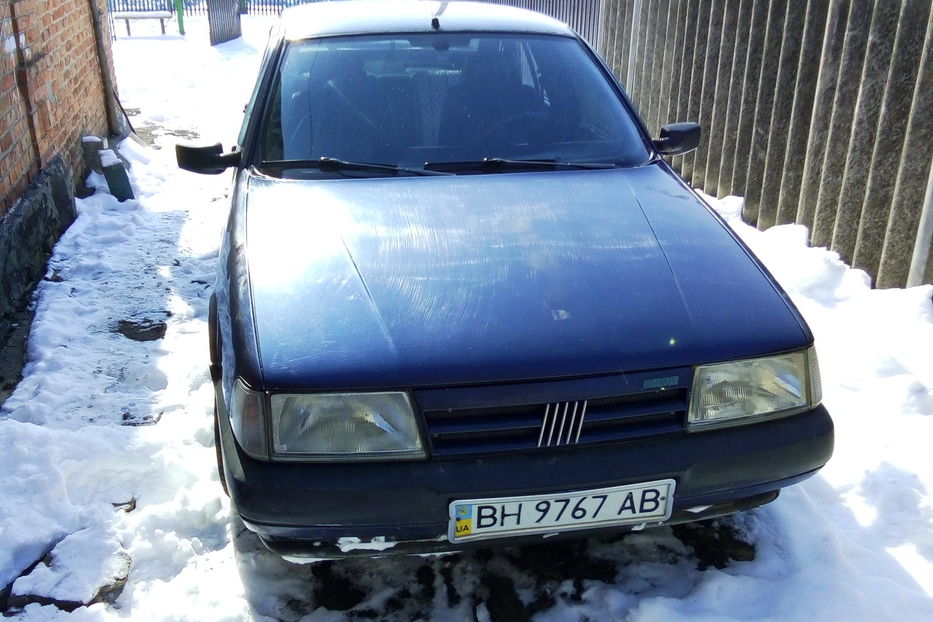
<point>527,120</point>
<point>359,114</point>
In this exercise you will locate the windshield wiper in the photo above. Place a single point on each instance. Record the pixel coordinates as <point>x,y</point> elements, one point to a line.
<point>329,164</point>
<point>501,164</point>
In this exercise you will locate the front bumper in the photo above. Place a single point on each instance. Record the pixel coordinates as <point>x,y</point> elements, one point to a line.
<point>303,509</point>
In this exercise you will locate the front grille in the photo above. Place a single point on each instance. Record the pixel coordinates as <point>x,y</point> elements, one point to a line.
<point>557,424</point>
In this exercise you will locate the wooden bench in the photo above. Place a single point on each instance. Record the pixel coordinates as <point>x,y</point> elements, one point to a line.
<point>126,16</point>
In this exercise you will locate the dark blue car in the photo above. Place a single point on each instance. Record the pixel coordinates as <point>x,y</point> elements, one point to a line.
<point>463,300</point>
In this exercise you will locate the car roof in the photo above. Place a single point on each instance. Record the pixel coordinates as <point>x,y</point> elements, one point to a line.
<point>321,19</point>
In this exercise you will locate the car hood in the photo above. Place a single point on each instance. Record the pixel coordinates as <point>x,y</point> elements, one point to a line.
<point>427,281</point>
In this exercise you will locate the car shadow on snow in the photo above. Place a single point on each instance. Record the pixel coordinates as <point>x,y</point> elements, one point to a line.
<point>740,567</point>
<point>513,584</point>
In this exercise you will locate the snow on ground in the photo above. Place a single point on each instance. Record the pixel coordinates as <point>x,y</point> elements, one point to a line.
<point>106,445</point>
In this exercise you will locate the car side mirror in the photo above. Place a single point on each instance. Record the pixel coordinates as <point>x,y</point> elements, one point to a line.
<point>209,160</point>
<point>678,138</point>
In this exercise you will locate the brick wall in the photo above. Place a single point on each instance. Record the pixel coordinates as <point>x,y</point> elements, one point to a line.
<point>51,91</point>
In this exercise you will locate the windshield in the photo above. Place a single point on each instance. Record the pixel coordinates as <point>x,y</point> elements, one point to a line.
<point>443,99</point>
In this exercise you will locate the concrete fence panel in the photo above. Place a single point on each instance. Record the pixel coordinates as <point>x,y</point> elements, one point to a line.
<point>818,112</point>
<point>802,112</point>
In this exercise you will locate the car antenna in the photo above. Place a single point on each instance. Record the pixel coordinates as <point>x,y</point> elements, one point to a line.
<point>435,21</point>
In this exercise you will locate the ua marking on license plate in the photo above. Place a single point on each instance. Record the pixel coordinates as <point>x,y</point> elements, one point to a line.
<point>464,520</point>
<point>489,518</point>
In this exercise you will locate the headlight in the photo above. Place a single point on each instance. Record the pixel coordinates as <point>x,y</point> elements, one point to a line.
<point>344,426</point>
<point>744,391</point>
<point>247,421</point>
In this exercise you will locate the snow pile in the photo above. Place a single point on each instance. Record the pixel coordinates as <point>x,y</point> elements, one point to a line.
<point>108,158</point>
<point>80,562</point>
<point>106,444</point>
<point>77,437</point>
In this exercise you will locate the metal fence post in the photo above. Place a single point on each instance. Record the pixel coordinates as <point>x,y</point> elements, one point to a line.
<point>180,14</point>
